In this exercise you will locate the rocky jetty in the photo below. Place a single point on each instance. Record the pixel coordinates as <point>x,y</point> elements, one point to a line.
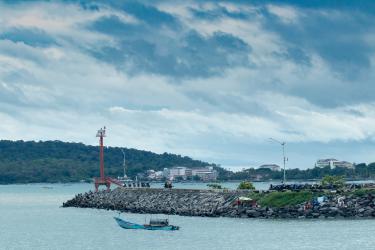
<point>189,202</point>
<point>215,203</point>
<point>337,206</point>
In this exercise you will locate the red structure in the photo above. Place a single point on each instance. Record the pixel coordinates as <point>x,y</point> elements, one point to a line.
<point>103,180</point>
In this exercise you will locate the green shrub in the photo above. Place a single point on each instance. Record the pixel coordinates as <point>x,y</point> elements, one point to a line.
<point>246,185</point>
<point>336,181</point>
<point>363,192</point>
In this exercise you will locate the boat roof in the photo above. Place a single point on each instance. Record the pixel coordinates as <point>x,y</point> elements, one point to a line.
<point>159,222</point>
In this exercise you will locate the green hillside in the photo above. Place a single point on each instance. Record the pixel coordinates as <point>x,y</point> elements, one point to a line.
<point>56,161</point>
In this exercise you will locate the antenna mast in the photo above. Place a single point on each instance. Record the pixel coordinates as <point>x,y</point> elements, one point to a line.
<point>124,163</point>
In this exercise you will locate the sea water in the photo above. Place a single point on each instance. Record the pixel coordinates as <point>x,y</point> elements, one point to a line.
<point>31,217</point>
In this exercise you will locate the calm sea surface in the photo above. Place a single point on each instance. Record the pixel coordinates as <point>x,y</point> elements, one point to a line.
<point>31,218</point>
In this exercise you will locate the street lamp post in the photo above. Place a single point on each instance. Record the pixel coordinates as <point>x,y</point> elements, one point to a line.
<point>284,159</point>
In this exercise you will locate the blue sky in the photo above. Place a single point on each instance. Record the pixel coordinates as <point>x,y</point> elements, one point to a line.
<point>208,79</point>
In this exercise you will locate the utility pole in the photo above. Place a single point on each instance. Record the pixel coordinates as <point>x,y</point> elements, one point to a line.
<point>284,158</point>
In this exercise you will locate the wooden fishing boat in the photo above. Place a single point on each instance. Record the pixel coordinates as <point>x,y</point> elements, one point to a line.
<point>155,224</point>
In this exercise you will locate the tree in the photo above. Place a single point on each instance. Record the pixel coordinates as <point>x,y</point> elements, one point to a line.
<point>246,185</point>
<point>361,170</point>
<point>195,178</point>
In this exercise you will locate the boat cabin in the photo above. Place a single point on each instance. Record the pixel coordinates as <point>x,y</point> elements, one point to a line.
<point>159,222</point>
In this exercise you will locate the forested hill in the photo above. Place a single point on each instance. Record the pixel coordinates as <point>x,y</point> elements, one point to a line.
<point>56,161</point>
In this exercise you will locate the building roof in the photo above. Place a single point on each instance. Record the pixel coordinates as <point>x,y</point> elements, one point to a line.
<point>327,160</point>
<point>269,166</point>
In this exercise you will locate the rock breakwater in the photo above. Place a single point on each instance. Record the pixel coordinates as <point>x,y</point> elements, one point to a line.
<point>161,201</point>
<point>220,203</point>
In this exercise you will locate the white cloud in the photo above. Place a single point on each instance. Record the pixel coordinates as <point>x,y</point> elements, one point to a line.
<point>286,14</point>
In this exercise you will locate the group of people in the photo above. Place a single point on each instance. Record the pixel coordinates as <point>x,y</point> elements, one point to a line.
<point>137,184</point>
<point>168,184</point>
<point>305,186</point>
<point>294,187</point>
<point>315,202</point>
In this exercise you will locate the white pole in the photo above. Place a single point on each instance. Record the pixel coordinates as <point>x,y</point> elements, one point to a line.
<point>124,163</point>
<point>284,159</point>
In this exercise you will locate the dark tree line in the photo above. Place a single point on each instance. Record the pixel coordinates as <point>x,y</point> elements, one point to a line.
<point>56,161</point>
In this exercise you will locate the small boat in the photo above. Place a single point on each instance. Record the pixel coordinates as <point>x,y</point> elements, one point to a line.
<point>155,224</point>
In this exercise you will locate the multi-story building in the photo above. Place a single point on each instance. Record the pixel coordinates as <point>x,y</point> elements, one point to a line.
<point>154,175</point>
<point>166,173</point>
<point>322,163</point>
<point>206,174</point>
<point>272,167</point>
<point>175,172</point>
<point>332,163</point>
<point>344,164</point>
<point>189,172</point>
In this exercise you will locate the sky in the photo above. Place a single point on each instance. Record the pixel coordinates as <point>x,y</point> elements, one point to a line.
<point>213,80</point>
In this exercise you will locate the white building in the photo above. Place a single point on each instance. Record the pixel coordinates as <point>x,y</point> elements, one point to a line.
<point>166,173</point>
<point>175,172</point>
<point>322,163</point>
<point>272,167</point>
<point>332,163</point>
<point>344,164</point>
<point>154,175</point>
<point>206,174</point>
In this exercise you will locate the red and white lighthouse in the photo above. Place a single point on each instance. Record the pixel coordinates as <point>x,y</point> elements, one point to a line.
<point>102,180</point>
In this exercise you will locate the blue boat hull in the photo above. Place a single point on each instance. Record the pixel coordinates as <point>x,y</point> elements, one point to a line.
<point>129,225</point>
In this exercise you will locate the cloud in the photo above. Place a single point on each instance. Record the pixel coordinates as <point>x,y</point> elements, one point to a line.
<point>32,37</point>
<point>212,80</point>
<point>286,14</point>
<point>314,31</point>
<point>210,12</point>
<point>174,53</point>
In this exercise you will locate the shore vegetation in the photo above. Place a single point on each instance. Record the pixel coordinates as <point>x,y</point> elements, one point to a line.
<point>282,199</point>
<point>334,181</point>
<point>246,185</point>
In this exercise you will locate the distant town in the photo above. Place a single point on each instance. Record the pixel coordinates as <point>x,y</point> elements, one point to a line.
<point>321,163</point>
<point>180,173</point>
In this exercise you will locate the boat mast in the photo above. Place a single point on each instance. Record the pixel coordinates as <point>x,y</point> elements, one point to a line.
<point>124,163</point>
